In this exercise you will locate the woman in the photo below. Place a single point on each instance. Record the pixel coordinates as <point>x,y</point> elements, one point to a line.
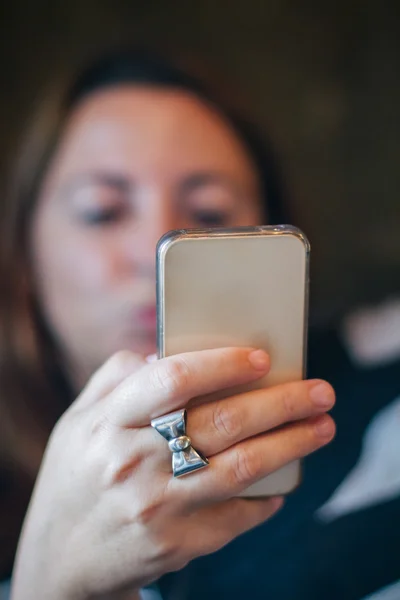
<point>133,148</point>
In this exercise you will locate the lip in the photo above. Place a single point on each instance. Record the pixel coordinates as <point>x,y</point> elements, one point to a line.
<point>147,317</point>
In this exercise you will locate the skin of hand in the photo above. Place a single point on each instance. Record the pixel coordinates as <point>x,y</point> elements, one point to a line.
<point>107,517</point>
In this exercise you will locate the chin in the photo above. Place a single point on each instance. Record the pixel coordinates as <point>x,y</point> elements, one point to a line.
<point>143,345</point>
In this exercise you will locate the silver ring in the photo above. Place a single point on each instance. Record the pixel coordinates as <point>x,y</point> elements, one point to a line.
<point>185,459</point>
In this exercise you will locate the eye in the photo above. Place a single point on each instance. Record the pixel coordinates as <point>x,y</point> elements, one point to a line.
<point>210,201</point>
<point>211,218</point>
<point>100,202</point>
<point>103,216</point>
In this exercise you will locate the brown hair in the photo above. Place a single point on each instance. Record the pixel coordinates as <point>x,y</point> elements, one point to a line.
<point>34,390</point>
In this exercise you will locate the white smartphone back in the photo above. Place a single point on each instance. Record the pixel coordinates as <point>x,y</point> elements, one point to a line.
<point>238,287</point>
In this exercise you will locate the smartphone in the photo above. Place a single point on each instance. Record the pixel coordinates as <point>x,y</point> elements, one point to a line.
<point>246,286</point>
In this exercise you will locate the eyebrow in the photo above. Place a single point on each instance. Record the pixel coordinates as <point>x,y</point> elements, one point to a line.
<point>123,183</point>
<point>203,178</point>
<point>115,180</point>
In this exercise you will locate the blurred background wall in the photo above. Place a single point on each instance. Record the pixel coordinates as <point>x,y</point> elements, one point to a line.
<point>323,78</point>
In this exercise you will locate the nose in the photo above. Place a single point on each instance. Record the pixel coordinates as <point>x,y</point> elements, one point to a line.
<point>146,251</point>
<point>141,247</point>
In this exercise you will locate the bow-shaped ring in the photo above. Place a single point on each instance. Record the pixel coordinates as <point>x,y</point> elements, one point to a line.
<point>185,459</point>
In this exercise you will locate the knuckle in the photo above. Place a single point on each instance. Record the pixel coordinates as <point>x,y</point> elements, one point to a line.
<point>150,512</point>
<point>227,421</point>
<point>99,426</point>
<point>245,466</point>
<point>290,403</point>
<point>176,377</point>
<point>118,367</point>
<point>121,360</point>
<point>119,472</point>
<point>171,553</point>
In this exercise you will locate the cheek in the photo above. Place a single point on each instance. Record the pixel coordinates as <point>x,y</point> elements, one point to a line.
<point>71,266</point>
<point>80,268</point>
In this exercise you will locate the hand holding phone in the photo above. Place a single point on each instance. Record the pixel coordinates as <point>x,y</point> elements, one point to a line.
<point>238,287</point>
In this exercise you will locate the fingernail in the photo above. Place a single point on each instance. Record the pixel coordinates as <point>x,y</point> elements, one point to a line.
<point>324,426</point>
<point>322,394</point>
<point>259,360</point>
<point>151,358</point>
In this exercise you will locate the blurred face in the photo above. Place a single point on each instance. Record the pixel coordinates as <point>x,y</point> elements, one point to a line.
<point>133,163</point>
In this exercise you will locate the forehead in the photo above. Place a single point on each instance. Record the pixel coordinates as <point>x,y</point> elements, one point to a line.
<point>144,128</point>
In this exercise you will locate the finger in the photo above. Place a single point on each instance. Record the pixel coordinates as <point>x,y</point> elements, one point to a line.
<point>151,358</point>
<point>169,384</point>
<point>113,372</point>
<point>218,425</point>
<point>217,525</point>
<point>235,469</point>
